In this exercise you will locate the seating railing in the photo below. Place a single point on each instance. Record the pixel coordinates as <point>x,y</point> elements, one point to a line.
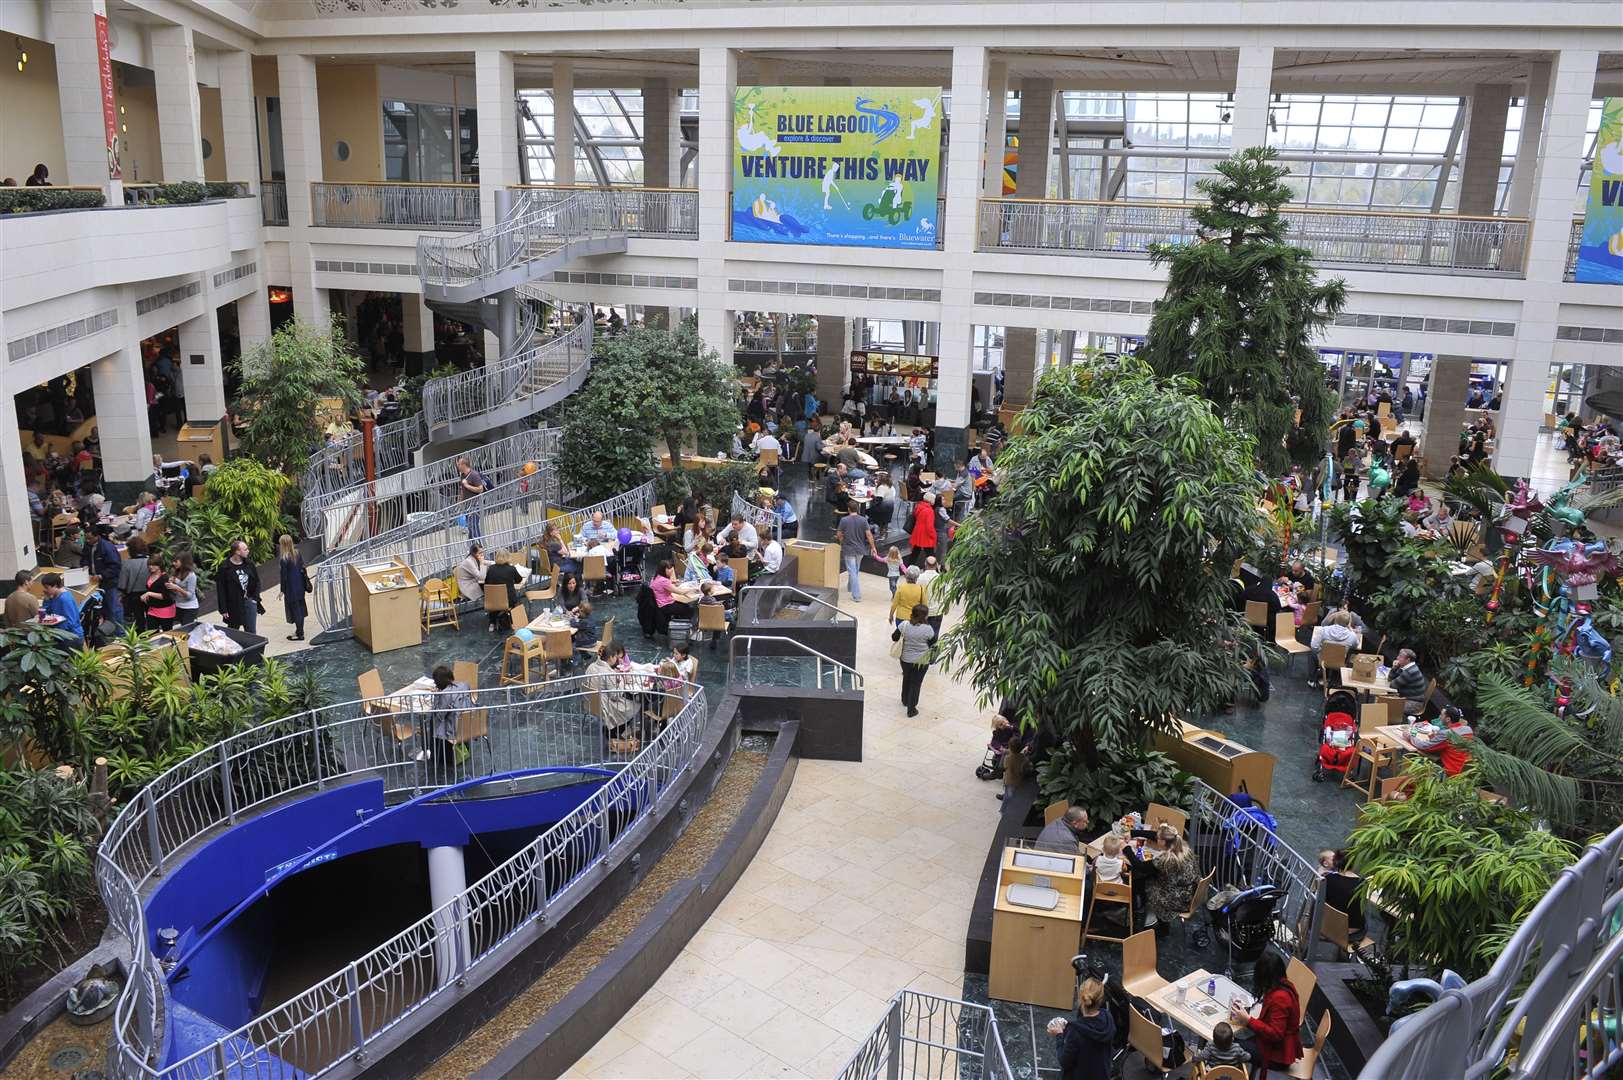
<point>785,664</point>
<point>535,370</point>
<point>1575,237</point>
<point>922,1035</point>
<point>758,516</point>
<point>1555,987</point>
<point>530,728</point>
<point>649,213</point>
<point>534,226</point>
<point>273,202</point>
<point>394,205</point>
<point>1446,242</point>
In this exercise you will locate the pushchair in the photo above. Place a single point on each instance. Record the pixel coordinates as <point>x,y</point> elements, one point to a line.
<point>1338,738</point>
<point>992,764</point>
<point>1245,922</point>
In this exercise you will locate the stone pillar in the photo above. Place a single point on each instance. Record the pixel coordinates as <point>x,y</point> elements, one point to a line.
<point>965,178</point>
<point>1572,85</point>
<point>1036,152</point>
<point>1445,413</point>
<point>997,123</point>
<point>661,134</point>
<point>202,371</point>
<point>498,128</point>
<point>1253,86</point>
<point>563,123</point>
<point>121,413</point>
<point>17,534</point>
<point>718,78</point>
<point>1532,133</point>
<point>301,153</point>
<point>180,133</point>
<point>447,879</point>
<point>717,331</point>
<point>78,88</point>
<point>1019,365</point>
<point>833,360</point>
<point>417,330</point>
<point>237,122</point>
<point>253,320</point>
<point>1484,149</point>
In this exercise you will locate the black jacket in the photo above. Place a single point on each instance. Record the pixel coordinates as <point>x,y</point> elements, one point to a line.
<point>235,587</point>
<point>1084,1049</point>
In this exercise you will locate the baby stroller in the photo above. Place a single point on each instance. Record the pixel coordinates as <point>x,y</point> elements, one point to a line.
<point>1338,738</point>
<point>1245,922</point>
<point>992,764</point>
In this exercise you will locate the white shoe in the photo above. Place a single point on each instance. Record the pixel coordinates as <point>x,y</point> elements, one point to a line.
<point>421,755</point>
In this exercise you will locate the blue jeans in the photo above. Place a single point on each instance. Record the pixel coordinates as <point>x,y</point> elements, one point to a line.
<point>853,567</point>
<point>250,616</point>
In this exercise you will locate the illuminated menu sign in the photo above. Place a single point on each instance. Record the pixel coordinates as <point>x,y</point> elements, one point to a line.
<point>906,365</point>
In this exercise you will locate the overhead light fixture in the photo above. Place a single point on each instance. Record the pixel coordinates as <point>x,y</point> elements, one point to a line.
<point>22,54</point>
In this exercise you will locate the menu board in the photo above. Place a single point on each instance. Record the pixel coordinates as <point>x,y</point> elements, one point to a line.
<point>906,365</point>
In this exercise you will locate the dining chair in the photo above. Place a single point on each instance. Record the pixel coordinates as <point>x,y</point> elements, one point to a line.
<point>438,607</point>
<point>1368,751</point>
<point>541,596</point>
<point>473,723</point>
<point>1332,658</point>
<point>594,569</point>
<point>1285,636</point>
<point>1197,901</point>
<point>741,571</point>
<point>1256,614</point>
<point>1119,894</point>
<point>1303,979</point>
<point>1144,1035</point>
<point>1303,1067</point>
<point>713,618</point>
<point>1310,614</point>
<point>1138,974</point>
<point>1156,814</point>
<point>1333,927</point>
<point>557,647</point>
<point>1219,1072</point>
<point>374,702</point>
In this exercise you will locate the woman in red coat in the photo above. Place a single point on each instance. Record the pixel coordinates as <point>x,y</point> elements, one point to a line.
<point>923,536</point>
<point>1277,1026</point>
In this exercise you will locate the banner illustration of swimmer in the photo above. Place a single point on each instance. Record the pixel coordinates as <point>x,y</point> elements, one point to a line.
<point>841,165</point>
<point>1600,252</point>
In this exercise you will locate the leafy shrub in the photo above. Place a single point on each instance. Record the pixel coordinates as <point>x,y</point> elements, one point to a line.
<point>1121,782</point>
<point>46,831</point>
<point>26,200</point>
<point>716,483</point>
<point>282,380</point>
<point>244,500</point>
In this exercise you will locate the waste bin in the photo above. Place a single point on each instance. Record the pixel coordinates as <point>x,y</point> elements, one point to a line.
<point>205,662</point>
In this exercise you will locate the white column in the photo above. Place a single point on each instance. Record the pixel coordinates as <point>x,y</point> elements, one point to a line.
<point>1572,85</point>
<point>1533,106</point>
<point>447,879</point>
<point>661,134</point>
<point>202,371</point>
<point>180,135</point>
<point>301,153</point>
<point>718,78</point>
<point>78,87</point>
<point>1555,186</point>
<point>417,331</point>
<point>1484,148</point>
<point>253,319</point>
<point>17,534</point>
<point>965,148</point>
<point>1253,83</point>
<point>237,123</point>
<point>498,128</point>
<point>1036,138</point>
<point>121,411</point>
<point>997,123</point>
<point>563,122</point>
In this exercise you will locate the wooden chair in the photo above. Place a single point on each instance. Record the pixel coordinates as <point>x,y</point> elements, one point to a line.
<point>1369,752</point>
<point>438,605</point>
<point>713,618</point>
<point>1394,789</point>
<point>541,596</point>
<point>767,463</point>
<point>521,651</point>
<point>659,510</point>
<point>1144,1035</point>
<point>1302,977</point>
<point>1332,658</point>
<point>1197,900</point>
<point>1138,974</point>
<point>1218,1072</point>
<point>557,647</point>
<point>741,571</point>
<point>471,724</point>
<point>594,569</point>
<point>1334,929</point>
<point>1052,811</point>
<point>1110,892</point>
<point>1304,1065</point>
<point>466,672</point>
<point>1256,614</point>
<point>374,702</point>
<point>1310,613</point>
<point>588,653</point>
<point>1285,636</point>
<point>1157,814</point>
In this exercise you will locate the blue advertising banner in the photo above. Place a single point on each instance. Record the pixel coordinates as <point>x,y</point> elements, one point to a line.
<point>1600,252</point>
<point>840,165</point>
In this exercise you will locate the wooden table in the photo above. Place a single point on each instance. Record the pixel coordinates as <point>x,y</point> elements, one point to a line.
<point>688,593</point>
<point>1199,1011</point>
<point>867,459</point>
<point>547,623</point>
<point>1379,684</point>
<point>1395,737</point>
<point>415,696</point>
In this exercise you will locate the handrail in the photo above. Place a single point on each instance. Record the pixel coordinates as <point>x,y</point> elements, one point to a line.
<point>759,516</point>
<point>925,1035</point>
<point>1341,211</point>
<point>839,612</point>
<point>836,669</point>
<point>267,764</point>
<point>375,205</point>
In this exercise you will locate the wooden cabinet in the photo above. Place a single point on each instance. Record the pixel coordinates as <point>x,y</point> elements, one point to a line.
<point>818,564</point>
<point>1032,947</point>
<point>1220,761</point>
<point>386,608</point>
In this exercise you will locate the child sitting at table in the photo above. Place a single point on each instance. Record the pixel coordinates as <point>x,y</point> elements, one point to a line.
<point>1109,865</point>
<point>1222,1049</point>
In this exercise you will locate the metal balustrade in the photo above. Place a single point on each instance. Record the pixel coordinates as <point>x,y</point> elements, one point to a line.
<point>372,205</point>
<point>922,1035</point>
<point>794,342</point>
<point>759,516</point>
<point>788,664</point>
<point>530,728</point>
<point>649,213</point>
<point>469,394</point>
<point>273,202</point>
<point>1443,242</point>
<point>1554,987</point>
<point>537,225</point>
<point>360,511</point>
<point>510,518</point>
<point>1575,237</point>
<point>838,614</point>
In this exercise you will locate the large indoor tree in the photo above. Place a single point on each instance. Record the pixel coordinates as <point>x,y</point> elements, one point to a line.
<point>646,384</point>
<point>283,380</point>
<point>1241,311</point>
<point>1094,588</point>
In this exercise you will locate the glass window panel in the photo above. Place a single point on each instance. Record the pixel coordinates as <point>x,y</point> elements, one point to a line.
<point>1365,140</point>
<point>1370,114</point>
<point>1405,114</point>
<point>1441,116</point>
<point>1334,138</point>
<point>1302,111</point>
<point>1431,141</point>
<point>1399,141</point>
<point>1336,113</point>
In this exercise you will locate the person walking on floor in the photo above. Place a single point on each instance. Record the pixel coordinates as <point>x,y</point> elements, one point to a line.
<point>236,589</point>
<point>855,542</point>
<point>916,636</point>
<point>923,535</point>
<point>295,583</point>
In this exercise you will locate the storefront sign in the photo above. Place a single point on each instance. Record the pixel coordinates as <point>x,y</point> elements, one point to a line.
<point>849,166</point>
<point>109,107</point>
<point>904,365</point>
<point>1600,252</point>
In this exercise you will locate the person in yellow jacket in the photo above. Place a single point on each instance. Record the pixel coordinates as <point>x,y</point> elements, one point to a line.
<point>908,593</point>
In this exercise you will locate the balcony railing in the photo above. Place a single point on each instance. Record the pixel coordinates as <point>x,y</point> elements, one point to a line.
<point>1574,238</point>
<point>273,201</point>
<point>395,205</point>
<point>650,213</point>
<point>1443,242</point>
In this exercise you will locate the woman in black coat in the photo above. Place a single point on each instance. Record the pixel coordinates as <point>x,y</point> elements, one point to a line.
<point>291,570</point>
<point>1084,1042</point>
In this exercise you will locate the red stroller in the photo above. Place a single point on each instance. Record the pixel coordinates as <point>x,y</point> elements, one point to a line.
<point>1338,739</point>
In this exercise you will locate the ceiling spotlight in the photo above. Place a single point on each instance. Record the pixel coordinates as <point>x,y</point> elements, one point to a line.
<point>22,53</point>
